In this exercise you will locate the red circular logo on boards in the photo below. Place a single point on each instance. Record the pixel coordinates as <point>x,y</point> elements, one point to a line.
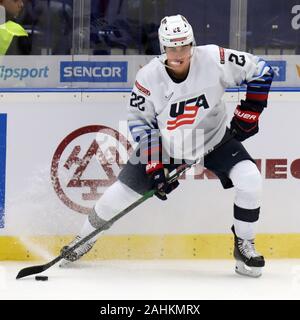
<point>85,163</point>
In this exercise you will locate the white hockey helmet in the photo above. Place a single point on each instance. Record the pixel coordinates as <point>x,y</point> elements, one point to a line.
<point>175,31</point>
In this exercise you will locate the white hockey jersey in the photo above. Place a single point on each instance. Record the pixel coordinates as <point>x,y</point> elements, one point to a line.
<point>190,115</point>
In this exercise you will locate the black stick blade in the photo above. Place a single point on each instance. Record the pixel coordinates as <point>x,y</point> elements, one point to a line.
<point>30,270</point>
<point>37,269</point>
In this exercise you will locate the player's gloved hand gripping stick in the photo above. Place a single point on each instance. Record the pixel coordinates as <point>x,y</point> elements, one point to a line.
<point>179,171</point>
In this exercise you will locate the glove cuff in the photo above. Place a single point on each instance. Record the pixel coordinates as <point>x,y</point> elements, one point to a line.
<point>246,115</point>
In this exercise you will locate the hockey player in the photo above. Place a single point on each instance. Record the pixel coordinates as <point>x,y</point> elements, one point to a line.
<point>181,91</point>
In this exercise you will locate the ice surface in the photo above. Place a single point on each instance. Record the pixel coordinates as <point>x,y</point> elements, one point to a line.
<point>166,279</point>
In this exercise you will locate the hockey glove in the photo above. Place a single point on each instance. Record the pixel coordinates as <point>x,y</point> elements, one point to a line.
<point>245,120</point>
<point>158,175</point>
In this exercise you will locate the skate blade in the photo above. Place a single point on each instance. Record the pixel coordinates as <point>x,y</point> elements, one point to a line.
<point>244,270</point>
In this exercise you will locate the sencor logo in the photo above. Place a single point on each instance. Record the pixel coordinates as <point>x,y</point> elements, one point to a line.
<point>93,71</point>
<point>3,121</point>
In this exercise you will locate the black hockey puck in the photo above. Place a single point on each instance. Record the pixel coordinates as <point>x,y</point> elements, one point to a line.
<point>41,278</point>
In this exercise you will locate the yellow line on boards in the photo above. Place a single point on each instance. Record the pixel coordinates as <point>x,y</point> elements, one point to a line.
<point>197,246</point>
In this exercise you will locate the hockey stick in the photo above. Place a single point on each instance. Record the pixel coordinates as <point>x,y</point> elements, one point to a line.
<point>179,171</point>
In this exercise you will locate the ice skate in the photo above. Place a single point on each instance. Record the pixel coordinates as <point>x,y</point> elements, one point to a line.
<point>75,254</point>
<point>248,261</point>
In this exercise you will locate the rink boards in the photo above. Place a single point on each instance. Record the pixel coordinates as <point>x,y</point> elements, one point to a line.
<point>61,149</point>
